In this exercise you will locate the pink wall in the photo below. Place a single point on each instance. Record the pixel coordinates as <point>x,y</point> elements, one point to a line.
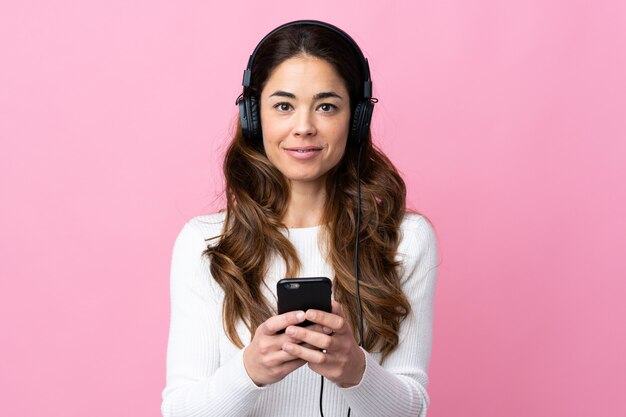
<point>506,118</point>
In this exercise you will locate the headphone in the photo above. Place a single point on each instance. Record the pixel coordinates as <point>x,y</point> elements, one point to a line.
<point>249,107</point>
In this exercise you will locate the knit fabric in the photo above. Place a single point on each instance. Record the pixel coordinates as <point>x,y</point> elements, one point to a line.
<point>205,371</point>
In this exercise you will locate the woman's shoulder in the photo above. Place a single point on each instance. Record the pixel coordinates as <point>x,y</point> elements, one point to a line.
<point>198,232</point>
<point>418,239</point>
<point>417,225</point>
<point>190,266</point>
<point>208,226</point>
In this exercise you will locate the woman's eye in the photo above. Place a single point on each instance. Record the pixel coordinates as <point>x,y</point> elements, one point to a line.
<point>327,107</point>
<point>283,107</point>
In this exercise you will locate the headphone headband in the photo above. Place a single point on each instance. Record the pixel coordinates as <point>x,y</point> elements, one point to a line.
<point>365,68</point>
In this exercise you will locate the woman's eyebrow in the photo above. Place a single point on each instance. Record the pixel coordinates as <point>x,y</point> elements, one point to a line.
<point>281,93</point>
<point>318,96</point>
<point>327,94</point>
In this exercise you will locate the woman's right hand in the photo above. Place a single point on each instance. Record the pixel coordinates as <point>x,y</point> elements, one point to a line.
<point>264,359</point>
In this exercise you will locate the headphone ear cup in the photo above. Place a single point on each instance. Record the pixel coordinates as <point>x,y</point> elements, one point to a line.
<point>249,118</point>
<point>255,120</point>
<point>361,121</point>
<point>243,116</point>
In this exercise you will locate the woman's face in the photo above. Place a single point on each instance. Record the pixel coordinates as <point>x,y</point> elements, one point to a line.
<point>305,118</point>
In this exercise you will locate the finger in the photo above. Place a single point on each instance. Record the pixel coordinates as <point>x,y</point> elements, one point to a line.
<point>338,310</point>
<point>308,355</point>
<point>332,321</point>
<point>281,338</point>
<point>314,328</point>
<point>281,321</point>
<point>320,329</point>
<point>277,358</point>
<point>308,337</point>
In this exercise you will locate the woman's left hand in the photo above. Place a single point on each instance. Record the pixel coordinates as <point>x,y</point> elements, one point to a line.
<point>342,361</point>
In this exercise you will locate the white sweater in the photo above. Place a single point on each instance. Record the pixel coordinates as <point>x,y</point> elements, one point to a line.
<point>205,371</point>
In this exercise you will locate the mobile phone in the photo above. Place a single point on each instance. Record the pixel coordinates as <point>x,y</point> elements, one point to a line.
<point>303,294</point>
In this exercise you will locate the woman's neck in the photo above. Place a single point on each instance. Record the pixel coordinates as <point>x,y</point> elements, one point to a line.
<point>305,207</point>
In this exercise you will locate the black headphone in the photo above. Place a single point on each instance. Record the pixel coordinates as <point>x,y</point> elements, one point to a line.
<point>250,118</point>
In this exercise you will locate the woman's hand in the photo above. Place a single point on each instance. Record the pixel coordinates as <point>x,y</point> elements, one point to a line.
<point>264,359</point>
<point>341,361</point>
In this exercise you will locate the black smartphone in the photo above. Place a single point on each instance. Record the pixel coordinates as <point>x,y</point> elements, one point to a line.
<point>303,294</point>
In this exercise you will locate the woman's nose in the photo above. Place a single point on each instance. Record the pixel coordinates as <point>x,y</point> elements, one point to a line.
<point>304,124</point>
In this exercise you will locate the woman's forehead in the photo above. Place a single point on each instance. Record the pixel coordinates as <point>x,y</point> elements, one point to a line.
<point>305,75</point>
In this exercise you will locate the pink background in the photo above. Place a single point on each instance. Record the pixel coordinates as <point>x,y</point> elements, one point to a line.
<point>506,118</point>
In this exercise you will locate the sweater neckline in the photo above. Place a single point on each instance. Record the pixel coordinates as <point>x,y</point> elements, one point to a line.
<point>303,232</point>
<point>296,229</point>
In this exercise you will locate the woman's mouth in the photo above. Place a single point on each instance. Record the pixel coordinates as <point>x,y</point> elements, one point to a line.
<point>304,152</point>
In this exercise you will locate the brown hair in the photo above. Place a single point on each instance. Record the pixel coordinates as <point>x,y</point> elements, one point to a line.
<point>257,196</point>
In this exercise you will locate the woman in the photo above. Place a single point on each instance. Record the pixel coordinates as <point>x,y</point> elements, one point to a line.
<point>292,210</point>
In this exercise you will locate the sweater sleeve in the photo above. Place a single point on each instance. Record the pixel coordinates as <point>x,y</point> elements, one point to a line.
<point>398,386</point>
<point>197,383</point>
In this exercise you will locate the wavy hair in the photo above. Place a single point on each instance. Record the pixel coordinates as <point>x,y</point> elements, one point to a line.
<point>257,196</point>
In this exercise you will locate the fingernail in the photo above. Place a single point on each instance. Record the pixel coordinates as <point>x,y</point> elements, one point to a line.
<point>300,315</point>
<point>287,347</point>
<point>311,314</point>
<point>290,331</point>
<point>327,330</point>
